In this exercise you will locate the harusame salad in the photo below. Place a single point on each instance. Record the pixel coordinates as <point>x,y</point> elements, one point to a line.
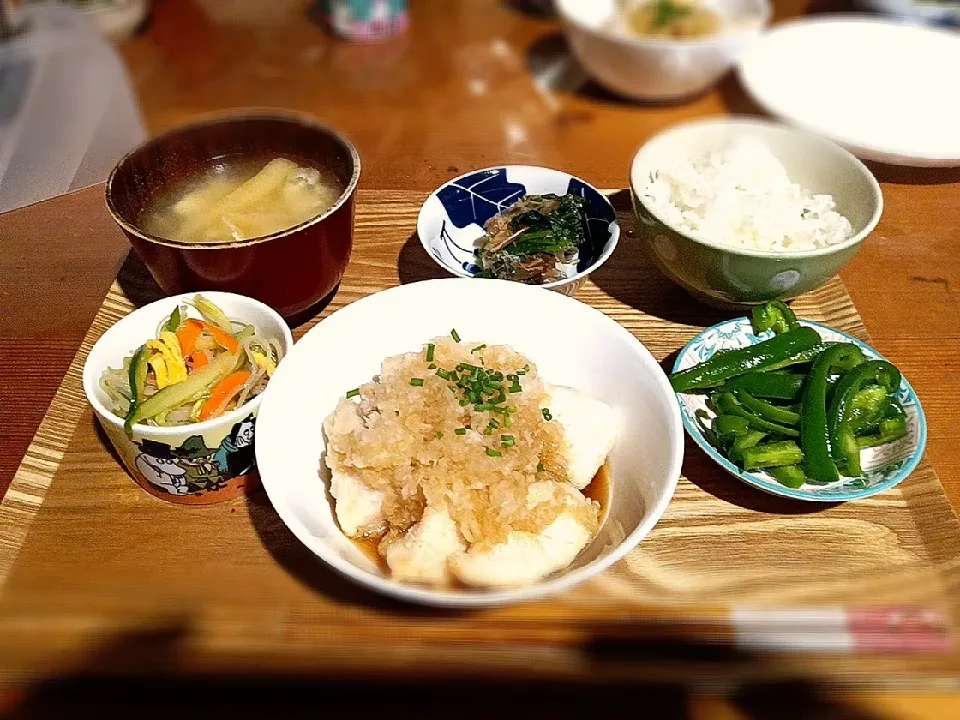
<point>194,369</point>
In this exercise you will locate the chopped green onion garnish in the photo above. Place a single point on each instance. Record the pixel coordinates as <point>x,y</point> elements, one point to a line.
<point>478,348</point>
<point>494,423</point>
<point>432,366</point>
<point>455,335</point>
<point>507,422</point>
<point>460,431</point>
<point>441,373</point>
<point>488,430</point>
<point>416,382</point>
<point>507,440</point>
<point>439,435</point>
<point>546,414</point>
<point>515,388</point>
<point>540,467</point>
<point>493,453</point>
<point>430,348</point>
<point>353,393</point>
<point>464,402</point>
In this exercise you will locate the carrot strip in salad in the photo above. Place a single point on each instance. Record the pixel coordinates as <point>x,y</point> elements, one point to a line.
<point>225,339</point>
<point>221,392</point>
<point>199,359</point>
<point>187,336</point>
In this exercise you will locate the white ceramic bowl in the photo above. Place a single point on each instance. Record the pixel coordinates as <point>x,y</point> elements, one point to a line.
<point>195,464</point>
<point>451,220</point>
<point>653,68</point>
<point>571,343</point>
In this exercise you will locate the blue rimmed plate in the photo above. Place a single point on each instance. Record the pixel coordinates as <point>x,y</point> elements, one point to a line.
<point>883,467</point>
<point>451,220</point>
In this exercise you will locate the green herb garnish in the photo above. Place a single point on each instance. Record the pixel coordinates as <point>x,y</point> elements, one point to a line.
<point>416,382</point>
<point>493,453</point>
<point>507,441</point>
<point>455,335</point>
<point>532,240</point>
<point>353,393</point>
<point>460,431</point>
<point>546,414</point>
<point>667,12</point>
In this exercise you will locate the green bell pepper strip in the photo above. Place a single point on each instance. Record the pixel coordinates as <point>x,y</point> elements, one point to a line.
<point>843,441</point>
<point>773,385</point>
<point>869,406</point>
<point>728,427</point>
<point>814,433</point>
<point>791,476</point>
<point>777,352</point>
<point>768,411</point>
<point>775,315</point>
<point>138,381</point>
<point>741,443</point>
<point>727,404</point>
<point>772,454</point>
<point>171,396</point>
<point>890,429</point>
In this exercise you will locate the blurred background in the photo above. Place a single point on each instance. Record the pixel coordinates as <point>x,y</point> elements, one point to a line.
<point>425,89</point>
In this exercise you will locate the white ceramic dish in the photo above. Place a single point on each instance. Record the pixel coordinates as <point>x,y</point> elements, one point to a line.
<point>193,464</point>
<point>875,86</point>
<point>571,343</point>
<point>451,220</point>
<point>653,68</point>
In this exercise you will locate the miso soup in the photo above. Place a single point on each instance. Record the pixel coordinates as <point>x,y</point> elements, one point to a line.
<point>241,197</point>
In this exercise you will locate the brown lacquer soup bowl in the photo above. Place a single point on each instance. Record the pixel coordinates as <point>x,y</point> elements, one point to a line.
<point>290,270</point>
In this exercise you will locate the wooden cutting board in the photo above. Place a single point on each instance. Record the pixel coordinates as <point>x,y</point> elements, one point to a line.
<point>97,576</point>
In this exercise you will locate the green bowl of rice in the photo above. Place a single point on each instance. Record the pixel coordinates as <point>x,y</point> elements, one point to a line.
<point>739,212</point>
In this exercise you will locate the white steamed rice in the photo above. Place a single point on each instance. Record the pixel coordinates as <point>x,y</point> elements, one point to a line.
<point>740,195</point>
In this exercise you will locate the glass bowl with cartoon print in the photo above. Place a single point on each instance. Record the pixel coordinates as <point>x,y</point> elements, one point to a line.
<point>197,463</point>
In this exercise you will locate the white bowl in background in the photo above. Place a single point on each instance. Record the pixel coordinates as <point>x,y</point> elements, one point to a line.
<point>572,344</point>
<point>194,464</point>
<point>658,69</point>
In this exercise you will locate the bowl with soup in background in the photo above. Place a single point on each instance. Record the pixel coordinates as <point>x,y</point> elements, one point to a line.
<point>258,203</point>
<point>661,50</point>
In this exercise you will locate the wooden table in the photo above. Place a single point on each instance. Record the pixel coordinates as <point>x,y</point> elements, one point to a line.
<point>473,83</point>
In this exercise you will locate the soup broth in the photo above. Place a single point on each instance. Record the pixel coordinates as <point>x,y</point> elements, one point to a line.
<point>240,198</point>
<point>681,19</point>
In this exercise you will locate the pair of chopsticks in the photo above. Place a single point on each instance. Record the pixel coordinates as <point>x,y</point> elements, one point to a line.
<point>843,629</point>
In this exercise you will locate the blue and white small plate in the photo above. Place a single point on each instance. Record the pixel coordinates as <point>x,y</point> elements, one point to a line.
<point>883,467</point>
<point>452,218</point>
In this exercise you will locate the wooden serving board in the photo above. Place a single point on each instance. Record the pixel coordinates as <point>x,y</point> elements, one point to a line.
<point>97,576</point>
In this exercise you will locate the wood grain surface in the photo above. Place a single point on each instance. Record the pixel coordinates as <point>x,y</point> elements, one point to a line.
<point>95,572</point>
<point>472,83</point>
